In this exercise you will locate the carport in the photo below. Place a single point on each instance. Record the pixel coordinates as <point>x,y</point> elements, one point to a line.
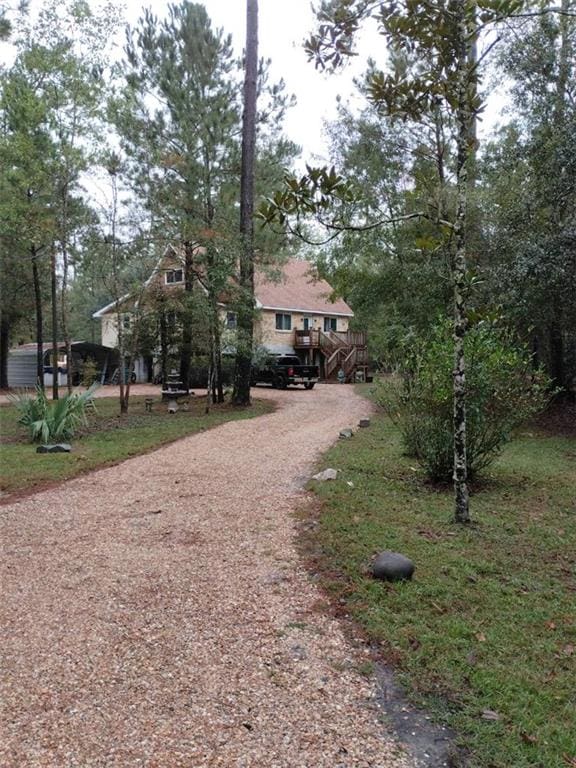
<point>22,363</point>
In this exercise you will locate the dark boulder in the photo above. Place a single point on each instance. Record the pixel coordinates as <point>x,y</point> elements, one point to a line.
<point>57,448</point>
<point>392,566</point>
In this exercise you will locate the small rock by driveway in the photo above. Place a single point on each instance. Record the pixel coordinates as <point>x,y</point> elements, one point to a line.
<point>156,613</point>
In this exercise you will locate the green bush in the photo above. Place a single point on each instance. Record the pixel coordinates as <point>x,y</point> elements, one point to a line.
<point>503,390</point>
<point>89,372</point>
<point>51,422</point>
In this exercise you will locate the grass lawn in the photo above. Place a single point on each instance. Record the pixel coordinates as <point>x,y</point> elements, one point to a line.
<point>485,635</point>
<point>109,439</point>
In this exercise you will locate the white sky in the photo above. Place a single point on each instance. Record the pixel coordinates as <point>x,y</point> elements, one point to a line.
<point>283,25</point>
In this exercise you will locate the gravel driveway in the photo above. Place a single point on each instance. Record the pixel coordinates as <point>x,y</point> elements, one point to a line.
<point>156,613</point>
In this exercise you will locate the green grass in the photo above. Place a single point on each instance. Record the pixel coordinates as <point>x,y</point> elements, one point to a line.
<point>489,622</point>
<point>109,439</point>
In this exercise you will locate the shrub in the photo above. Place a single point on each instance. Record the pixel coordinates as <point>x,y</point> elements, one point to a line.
<point>52,421</point>
<point>89,372</point>
<point>503,390</point>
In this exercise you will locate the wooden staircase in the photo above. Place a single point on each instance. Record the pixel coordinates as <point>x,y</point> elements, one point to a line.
<point>341,350</point>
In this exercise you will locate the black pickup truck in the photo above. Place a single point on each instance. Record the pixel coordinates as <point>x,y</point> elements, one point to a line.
<point>283,370</point>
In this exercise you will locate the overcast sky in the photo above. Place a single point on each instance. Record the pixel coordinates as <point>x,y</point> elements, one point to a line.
<point>283,25</point>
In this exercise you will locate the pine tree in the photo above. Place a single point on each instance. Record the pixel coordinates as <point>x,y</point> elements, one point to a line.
<point>241,395</point>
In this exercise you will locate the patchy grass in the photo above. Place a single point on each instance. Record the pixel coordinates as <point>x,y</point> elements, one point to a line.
<point>485,635</point>
<point>108,439</point>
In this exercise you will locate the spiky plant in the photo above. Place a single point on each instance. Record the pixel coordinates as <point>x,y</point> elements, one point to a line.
<point>52,422</point>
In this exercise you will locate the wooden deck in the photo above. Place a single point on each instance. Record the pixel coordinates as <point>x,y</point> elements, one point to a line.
<point>341,350</point>
<point>316,339</point>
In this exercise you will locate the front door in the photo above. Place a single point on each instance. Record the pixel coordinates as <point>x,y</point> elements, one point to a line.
<point>306,323</point>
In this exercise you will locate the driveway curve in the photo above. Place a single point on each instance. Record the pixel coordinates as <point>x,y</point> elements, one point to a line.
<point>156,613</point>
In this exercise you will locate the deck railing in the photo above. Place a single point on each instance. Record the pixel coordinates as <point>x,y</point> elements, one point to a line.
<point>341,349</point>
<point>307,339</point>
<point>314,338</point>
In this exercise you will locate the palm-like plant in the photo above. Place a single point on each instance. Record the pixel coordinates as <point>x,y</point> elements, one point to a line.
<point>52,421</point>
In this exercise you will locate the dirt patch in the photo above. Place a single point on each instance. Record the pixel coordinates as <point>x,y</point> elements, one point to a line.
<point>559,418</point>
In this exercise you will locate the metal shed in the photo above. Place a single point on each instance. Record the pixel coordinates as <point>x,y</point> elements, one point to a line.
<point>22,363</point>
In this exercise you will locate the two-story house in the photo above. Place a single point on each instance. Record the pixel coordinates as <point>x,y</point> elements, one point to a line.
<point>295,315</point>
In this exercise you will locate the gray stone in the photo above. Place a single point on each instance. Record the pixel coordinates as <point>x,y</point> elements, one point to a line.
<point>346,433</point>
<point>392,566</point>
<point>364,423</point>
<point>57,448</point>
<point>327,474</point>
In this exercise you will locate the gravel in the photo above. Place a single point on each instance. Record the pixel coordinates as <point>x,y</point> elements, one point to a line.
<point>156,613</point>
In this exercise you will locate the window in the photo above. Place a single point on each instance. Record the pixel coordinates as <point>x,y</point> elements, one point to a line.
<point>231,320</point>
<point>126,319</point>
<point>174,276</point>
<point>283,322</point>
<point>330,324</point>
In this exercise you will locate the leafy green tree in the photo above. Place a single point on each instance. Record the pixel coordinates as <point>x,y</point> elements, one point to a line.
<point>396,277</point>
<point>503,391</point>
<point>51,103</point>
<point>530,193</point>
<point>434,68</point>
<point>178,116</point>
<point>26,192</point>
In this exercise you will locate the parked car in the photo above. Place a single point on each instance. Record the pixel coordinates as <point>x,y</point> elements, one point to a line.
<point>282,371</point>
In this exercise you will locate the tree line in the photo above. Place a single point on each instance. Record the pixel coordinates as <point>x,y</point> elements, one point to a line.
<point>424,219</point>
<point>106,163</point>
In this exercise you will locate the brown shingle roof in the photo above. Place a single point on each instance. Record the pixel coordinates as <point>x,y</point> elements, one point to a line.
<point>298,289</point>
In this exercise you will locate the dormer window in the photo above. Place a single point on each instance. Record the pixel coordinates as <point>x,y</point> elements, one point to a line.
<point>174,276</point>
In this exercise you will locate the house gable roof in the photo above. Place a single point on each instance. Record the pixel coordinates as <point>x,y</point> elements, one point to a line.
<point>298,290</point>
<point>293,288</point>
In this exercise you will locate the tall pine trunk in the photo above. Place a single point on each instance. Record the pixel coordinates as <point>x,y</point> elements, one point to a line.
<point>163,348</point>
<point>39,317</point>
<point>54,307</point>
<point>464,119</point>
<point>65,267</point>
<point>186,350</point>
<point>245,331</point>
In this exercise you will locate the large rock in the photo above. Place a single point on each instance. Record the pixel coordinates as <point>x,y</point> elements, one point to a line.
<point>57,448</point>
<point>364,423</point>
<point>327,474</point>
<point>346,433</point>
<point>392,566</point>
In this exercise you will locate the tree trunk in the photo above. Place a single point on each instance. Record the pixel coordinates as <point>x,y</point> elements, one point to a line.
<point>121,363</point>
<point>245,329</point>
<point>64,316</point>
<point>39,318</point>
<point>463,119</point>
<point>215,350</point>
<point>219,385</point>
<point>186,351</point>
<point>556,341</point>
<point>4,350</point>
<point>54,297</point>
<point>64,305</point>
<point>163,348</point>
